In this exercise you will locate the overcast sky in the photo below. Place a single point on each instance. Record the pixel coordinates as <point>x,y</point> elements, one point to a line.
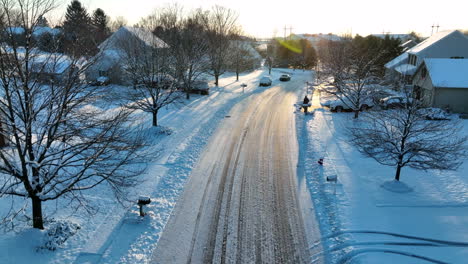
<point>265,17</point>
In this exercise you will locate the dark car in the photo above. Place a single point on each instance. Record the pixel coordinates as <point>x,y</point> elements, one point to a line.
<point>285,78</point>
<point>100,81</point>
<point>265,81</point>
<point>200,87</point>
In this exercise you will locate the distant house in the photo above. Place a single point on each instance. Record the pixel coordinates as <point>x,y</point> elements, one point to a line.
<point>444,44</point>
<point>251,58</point>
<point>110,60</point>
<point>402,37</point>
<point>443,83</point>
<point>51,67</point>
<point>318,39</point>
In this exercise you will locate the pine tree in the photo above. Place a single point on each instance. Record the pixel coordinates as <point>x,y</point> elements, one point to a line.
<point>100,23</point>
<point>42,22</point>
<point>77,30</point>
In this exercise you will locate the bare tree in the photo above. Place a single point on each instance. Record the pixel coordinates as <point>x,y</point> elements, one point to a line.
<point>403,137</point>
<point>240,58</point>
<point>190,50</point>
<point>148,63</point>
<point>352,71</point>
<point>221,24</point>
<point>58,143</point>
<point>117,23</point>
<point>186,37</point>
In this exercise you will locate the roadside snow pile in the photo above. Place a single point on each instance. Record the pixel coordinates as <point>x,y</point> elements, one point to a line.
<point>58,233</point>
<point>435,114</point>
<point>162,130</point>
<point>396,186</point>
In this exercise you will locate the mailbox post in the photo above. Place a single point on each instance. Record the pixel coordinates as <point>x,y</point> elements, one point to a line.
<point>334,179</point>
<point>243,86</point>
<point>142,201</point>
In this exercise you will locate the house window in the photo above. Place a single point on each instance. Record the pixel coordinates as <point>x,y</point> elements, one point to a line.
<point>423,72</point>
<point>104,73</point>
<point>417,92</point>
<point>408,79</point>
<point>412,59</point>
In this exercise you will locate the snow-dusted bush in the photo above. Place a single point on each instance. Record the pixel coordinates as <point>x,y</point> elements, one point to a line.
<point>58,232</point>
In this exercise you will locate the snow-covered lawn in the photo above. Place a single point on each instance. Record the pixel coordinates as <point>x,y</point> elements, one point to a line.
<point>116,234</point>
<point>436,208</point>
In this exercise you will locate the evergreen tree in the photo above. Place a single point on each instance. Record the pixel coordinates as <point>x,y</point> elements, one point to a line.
<point>100,23</point>
<point>77,30</point>
<point>42,22</point>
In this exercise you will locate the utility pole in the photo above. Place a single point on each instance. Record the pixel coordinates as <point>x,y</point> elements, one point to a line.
<point>285,28</point>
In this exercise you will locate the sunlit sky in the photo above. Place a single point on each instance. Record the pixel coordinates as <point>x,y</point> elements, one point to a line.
<point>264,18</point>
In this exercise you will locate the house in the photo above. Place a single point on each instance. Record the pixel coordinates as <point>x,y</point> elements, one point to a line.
<point>402,37</point>
<point>443,83</point>
<point>113,52</point>
<point>250,58</point>
<point>51,67</point>
<point>318,39</point>
<point>444,44</point>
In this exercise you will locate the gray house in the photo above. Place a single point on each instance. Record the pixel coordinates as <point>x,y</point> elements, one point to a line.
<point>113,53</point>
<point>443,83</point>
<point>444,44</point>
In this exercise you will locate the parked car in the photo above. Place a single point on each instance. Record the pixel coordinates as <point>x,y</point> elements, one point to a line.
<point>100,81</point>
<point>394,102</point>
<point>200,87</point>
<point>285,77</point>
<point>433,113</point>
<point>344,105</point>
<point>265,81</point>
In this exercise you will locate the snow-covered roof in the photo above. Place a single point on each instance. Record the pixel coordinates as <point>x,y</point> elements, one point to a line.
<point>247,46</point>
<point>431,40</point>
<point>397,61</point>
<point>419,48</point>
<point>15,30</point>
<point>42,30</point>
<point>393,36</point>
<point>314,38</point>
<point>125,33</point>
<point>36,32</point>
<point>448,73</point>
<point>406,69</point>
<point>50,63</point>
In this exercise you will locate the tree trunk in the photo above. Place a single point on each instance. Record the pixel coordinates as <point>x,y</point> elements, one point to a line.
<point>269,70</point>
<point>216,79</point>
<point>237,75</point>
<point>398,170</point>
<point>356,113</point>
<point>155,118</point>
<point>2,138</point>
<point>187,95</point>
<point>37,213</point>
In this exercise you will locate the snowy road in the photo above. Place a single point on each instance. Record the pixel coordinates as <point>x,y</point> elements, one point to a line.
<point>240,204</point>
